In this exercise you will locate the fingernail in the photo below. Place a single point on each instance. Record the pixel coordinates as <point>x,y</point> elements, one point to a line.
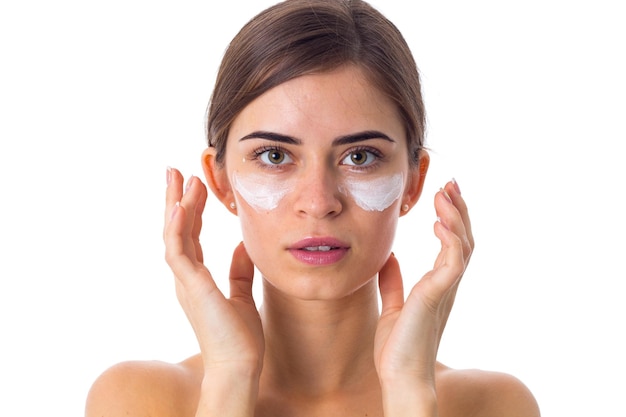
<point>456,186</point>
<point>442,223</point>
<point>445,193</point>
<point>189,181</point>
<point>168,175</point>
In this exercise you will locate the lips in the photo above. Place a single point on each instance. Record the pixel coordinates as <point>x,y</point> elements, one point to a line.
<point>319,251</point>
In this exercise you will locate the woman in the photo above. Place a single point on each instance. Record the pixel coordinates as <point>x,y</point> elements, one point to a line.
<point>315,130</point>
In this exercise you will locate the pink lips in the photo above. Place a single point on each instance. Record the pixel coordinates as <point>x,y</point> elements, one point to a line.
<point>319,251</point>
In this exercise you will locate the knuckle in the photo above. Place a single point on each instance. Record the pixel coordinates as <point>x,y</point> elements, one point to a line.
<point>456,265</point>
<point>458,268</point>
<point>170,256</point>
<point>468,247</point>
<point>457,243</point>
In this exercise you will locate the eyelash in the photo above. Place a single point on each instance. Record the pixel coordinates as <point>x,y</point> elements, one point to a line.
<point>257,153</point>
<point>377,154</point>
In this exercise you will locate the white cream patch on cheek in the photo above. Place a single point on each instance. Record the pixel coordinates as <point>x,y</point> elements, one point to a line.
<point>377,194</point>
<point>260,192</point>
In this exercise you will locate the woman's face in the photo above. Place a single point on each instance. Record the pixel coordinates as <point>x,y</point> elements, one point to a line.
<point>318,168</point>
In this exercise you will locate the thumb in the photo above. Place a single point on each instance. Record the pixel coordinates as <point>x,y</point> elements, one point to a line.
<point>391,286</point>
<point>241,274</point>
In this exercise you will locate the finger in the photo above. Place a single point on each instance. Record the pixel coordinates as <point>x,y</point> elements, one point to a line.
<point>177,255</point>
<point>196,228</point>
<point>453,190</point>
<point>175,218</point>
<point>443,281</point>
<point>449,267</point>
<point>192,196</point>
<point>241,275</point>
<point>391,286</point>
<point>181,213</point>
<point>451,218</point>
<point>173,193</point>
<point>192,202</point>
<point>201,189</point>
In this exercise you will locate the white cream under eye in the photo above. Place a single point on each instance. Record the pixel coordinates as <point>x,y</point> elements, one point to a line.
<point>264,193</point>
<point>259,191</point>
<point>374,194</point>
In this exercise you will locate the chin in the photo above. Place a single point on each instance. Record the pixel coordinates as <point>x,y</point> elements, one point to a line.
<point>318,285</point>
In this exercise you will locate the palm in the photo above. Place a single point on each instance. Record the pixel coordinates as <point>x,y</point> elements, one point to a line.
<point>408,334</point>
<point>228,330</point>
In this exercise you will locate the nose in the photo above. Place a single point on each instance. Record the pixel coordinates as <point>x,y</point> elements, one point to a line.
<point>318,194</point>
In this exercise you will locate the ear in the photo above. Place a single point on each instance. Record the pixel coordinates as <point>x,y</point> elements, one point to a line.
<point>217,178</point>
<point>415,182</point>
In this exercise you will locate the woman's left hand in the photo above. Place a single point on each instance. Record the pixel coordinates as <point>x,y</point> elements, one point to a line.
<point>409,331</point>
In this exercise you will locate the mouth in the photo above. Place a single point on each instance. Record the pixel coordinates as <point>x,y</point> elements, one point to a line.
<point>319,248</point>
<point>319,251</point>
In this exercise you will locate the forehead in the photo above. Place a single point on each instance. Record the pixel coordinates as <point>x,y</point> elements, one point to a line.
<point>328,104</point>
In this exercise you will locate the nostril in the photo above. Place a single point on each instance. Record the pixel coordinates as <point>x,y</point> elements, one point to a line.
<point>319,203</point>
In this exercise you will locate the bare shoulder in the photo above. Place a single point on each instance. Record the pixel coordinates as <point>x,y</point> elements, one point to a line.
<point>146,388</point>
<point>474,392</point>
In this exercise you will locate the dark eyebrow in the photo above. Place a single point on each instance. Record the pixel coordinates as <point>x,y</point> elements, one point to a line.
<point>361,136</point>
<point>341,140</point>
<point>276,137</point>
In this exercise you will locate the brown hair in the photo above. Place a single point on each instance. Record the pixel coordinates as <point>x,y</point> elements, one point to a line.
<point>298,37</point>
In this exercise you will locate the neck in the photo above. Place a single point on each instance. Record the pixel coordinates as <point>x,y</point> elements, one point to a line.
<point>319,347</point>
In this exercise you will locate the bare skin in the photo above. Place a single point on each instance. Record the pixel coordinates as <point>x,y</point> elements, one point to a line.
<point>163,389</point>
<point>320,345</point>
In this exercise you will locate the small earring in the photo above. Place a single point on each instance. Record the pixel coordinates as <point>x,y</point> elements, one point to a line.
<point>405,207</point>
<point>233,206</point>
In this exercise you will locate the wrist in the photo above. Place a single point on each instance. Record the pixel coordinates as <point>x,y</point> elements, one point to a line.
<point>402,399</point>
<point>244,370</point>
<point>228,393</point>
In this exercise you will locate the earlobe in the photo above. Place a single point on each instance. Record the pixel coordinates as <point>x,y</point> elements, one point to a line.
<point>415,182</point>
<point>216,176</point>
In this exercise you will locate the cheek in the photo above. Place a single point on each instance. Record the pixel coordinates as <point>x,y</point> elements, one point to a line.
<point>383,234</point>
<point>374,237</point>
<point>377,194</point>
<point>261,235</point>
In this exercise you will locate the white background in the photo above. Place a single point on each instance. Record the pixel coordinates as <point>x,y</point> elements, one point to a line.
<point>526,110</point>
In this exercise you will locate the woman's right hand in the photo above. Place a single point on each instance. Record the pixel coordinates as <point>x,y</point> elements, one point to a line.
<point>229,330</point>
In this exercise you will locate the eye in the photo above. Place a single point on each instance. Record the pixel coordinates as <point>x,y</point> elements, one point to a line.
<point>274,157</point>
<point>360,157</point>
